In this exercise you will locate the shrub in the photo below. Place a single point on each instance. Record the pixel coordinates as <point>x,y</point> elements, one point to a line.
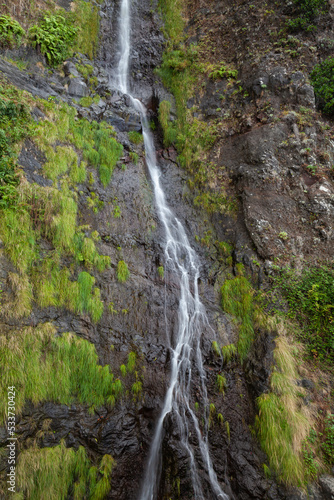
<point>310,297</point>
<point>328,445</point>
<point>54,35</point>
<point>11,32</point>
<point>322,78</point>
<point>307,12</point>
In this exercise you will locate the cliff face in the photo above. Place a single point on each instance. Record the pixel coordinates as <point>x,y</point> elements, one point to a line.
<point>272,155</point>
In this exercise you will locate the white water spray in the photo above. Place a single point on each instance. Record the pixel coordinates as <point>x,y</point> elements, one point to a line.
<point>183,262</point>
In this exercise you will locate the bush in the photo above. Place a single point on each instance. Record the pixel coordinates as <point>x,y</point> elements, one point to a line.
<point>311,301</point>
<point>307,11</point>
<point>322,78</point>
<point>54,35</point>
<point>11,32</point>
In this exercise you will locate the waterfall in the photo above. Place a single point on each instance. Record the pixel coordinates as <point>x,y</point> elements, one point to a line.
<point>186,354</point>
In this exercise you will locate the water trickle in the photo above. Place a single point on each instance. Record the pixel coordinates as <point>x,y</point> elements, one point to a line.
<point>186,357</point>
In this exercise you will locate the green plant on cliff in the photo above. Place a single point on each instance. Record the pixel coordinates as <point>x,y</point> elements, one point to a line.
<point>58,470</point>
<point>54,36</point>
<point>307,12</point>
<point>47,367</point>
<point>310,297</point>
<point>87,19</point>
<point>322,78</point>
<point>237,300</point>
<point>122,271</point>
<point>11,32</point>
<point>135,137</point>
<point>283,422</point>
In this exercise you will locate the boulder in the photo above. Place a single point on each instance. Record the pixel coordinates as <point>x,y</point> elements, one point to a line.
<point>78,88</point>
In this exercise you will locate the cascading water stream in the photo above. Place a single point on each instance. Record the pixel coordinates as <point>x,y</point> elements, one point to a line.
<point>183,262</point>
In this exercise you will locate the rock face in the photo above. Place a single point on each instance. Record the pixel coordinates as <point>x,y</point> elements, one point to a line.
<point>266,162</point>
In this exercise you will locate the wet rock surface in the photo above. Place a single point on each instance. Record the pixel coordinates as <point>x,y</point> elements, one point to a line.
<point>277,193</point>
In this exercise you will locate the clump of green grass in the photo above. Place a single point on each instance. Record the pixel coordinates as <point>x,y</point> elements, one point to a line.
<point>283,423</point>
<point>132,359</point>
<point>85,69</point>
<point>216,348</point>
<point>134,157</point>
<point>237,300</point>
<point>221,383</point>
<point>161,272</point>
<point>123,272</point>
<point>229,351</point>
<point>87,17</point>
<point>135,137</point>
<point>55,471</point>
<point>48,368</point>
<point>212,412</point>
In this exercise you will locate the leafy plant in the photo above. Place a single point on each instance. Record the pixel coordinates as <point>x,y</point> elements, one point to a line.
<point>54,36</point>
<point>310,297</point>
<point>322,78</point>
<point>328,445</point>
<point>11,32</point>
<point>307,11</point>
<point>223,71</point>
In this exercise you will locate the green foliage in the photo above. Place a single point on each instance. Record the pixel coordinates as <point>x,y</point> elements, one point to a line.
<point>223,71</point>
<point>328,445</point>
<point>87,18</point>
<point>220,419</point>
<point>132,359</point>
<point>212,412</point>
<point>53,472</point>
<point>322,78</point>
<point>161,272</point>
<point>307,11</point>
<point>216,348</point>
<point>48,368</point>
<point>283,423</point>
<point>221,383</point>
<point>227,428</point>
<point>11,32</point>
<point>310,297</point>
<point>229,351</point>
<point>237,300</point>
<point>135,137</point>
<point>122,271</point>
<point>85,69</point>
<point>15,125</point>
<point>54,35</point>
<point>134,157</point>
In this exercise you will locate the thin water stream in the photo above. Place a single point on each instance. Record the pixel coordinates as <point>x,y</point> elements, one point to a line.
<point>186,356</point>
